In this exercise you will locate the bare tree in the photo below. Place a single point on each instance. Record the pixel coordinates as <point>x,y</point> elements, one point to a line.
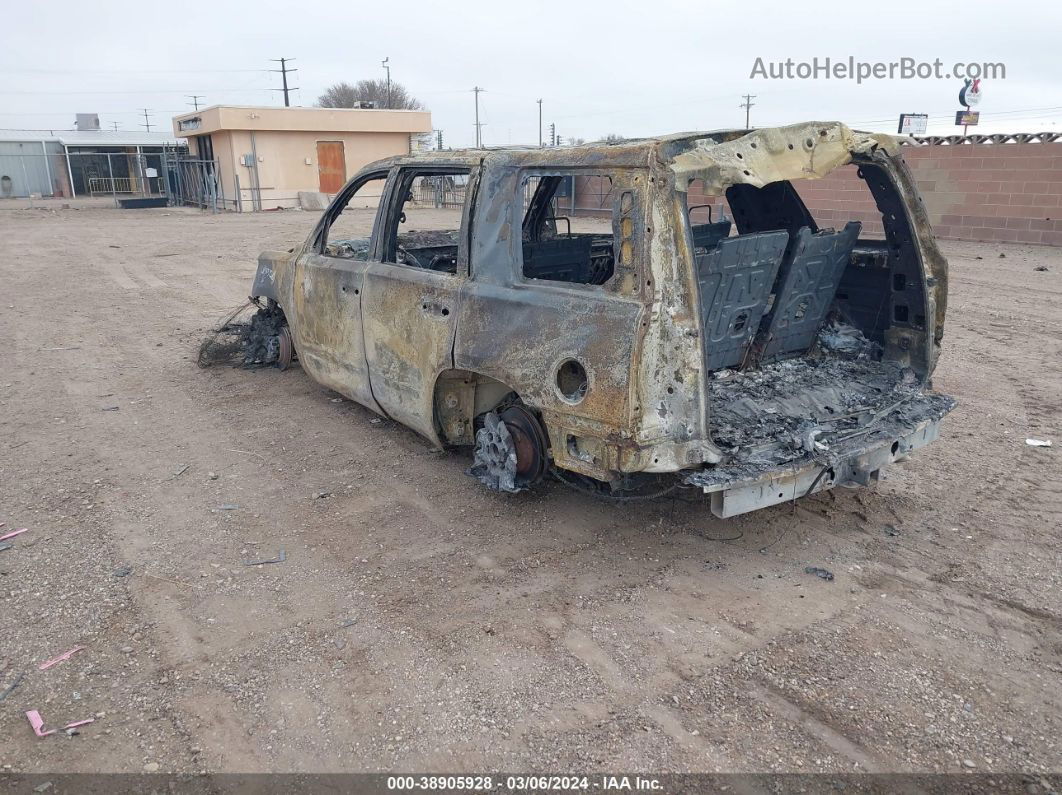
<point>345,95</point>
<point>613,138</point>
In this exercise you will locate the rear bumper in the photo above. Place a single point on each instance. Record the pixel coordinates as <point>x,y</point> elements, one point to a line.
<point>740,491</point>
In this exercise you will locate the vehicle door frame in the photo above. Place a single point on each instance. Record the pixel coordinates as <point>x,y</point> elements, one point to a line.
<point>520,331</point>
<point>409,339</point>
<point>341,278</point>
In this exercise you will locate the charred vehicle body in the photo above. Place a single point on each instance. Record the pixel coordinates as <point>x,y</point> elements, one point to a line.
<point>749,353</point>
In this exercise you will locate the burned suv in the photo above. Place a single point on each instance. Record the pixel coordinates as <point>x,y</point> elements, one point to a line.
<point>634,313</point>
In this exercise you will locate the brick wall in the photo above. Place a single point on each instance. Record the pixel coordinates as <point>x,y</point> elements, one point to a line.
<point>1010,192</point>
<point>989,192</point>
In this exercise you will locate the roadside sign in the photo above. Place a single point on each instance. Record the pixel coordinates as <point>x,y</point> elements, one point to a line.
<point>913,124</point>
<point>967,118</point>
<point>970,93</point>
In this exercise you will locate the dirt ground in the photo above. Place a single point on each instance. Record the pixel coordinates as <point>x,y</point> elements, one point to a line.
<point>419,622</point>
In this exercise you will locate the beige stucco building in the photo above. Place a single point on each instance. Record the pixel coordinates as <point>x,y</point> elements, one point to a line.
<point>266,155</point>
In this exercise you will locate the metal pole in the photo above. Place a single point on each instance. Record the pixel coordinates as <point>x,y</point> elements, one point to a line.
<point>140,171</point>
<point>25,178</point>
<point>164,177</point>
<point>747,105</point>
<point>114,188</point>
<point>284,77</point>
<point>540,124</point>
<point>239,195</point>
<point>256,191</point>
<point>48,169</point>
<point>479,141</point>
<point>383,63</point>
<point>69,171</point>
<point>209,186</point>
<point>179,199</point>
<point>218,181</point>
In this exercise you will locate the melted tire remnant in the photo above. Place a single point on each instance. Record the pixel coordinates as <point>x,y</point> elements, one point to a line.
<point>494,461</point>
<point>224,343</point>
<point>261,341</point>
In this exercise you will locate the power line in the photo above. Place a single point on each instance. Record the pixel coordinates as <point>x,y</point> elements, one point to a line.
<point>747,105</point>
<point>1037,113</point>
<point>284,76</point>
<point>183,91</point>
<point>479,134</point>
<point>138,71</point>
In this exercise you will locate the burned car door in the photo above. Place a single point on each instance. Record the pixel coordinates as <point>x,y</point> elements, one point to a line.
<point>553,308</point>
<point>329,279</point>
<point>410,299</point>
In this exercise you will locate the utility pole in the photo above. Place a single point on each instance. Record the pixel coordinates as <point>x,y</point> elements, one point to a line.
<point>195,99</point>
<point>284,77</point>
<point>147,122</point>
<point>747,104</point>
<point>115,125</point>
<point>540,124</point>
<point>479,135</point>
<point>383,63</point>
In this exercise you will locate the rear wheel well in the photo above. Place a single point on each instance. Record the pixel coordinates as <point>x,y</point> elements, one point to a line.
<point>509,439</point>
<point>460,397</point>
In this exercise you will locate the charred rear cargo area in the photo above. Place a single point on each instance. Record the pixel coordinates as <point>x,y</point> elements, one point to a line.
<point>818,342</point>
<point>840,397</point>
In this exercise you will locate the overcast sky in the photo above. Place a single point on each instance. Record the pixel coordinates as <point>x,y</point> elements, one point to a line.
<point>600,67</point>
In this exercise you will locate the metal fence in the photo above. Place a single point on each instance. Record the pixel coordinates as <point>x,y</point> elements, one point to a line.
<point>165,174</point>
<point>446,190</point>
<point>100,186</point>
<point>197,183</point>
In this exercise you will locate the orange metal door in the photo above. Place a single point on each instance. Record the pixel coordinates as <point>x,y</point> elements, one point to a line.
<point>331,166</point>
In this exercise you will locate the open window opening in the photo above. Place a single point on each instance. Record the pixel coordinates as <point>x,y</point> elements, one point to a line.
<point>709,217</point>
<point>563,242</point>
<point>348,234</point>
<point>423,227</point>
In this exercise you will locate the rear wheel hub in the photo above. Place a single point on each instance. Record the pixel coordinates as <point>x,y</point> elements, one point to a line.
<point>510,453</point>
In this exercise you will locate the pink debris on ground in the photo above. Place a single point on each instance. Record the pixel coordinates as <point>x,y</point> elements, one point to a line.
<point>14,533</point>
<point>77,723</point>
<point>37,722</point>
<point>66,655</point>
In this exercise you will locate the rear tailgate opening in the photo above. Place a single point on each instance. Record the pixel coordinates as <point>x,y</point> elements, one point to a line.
<point>816,340</point>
